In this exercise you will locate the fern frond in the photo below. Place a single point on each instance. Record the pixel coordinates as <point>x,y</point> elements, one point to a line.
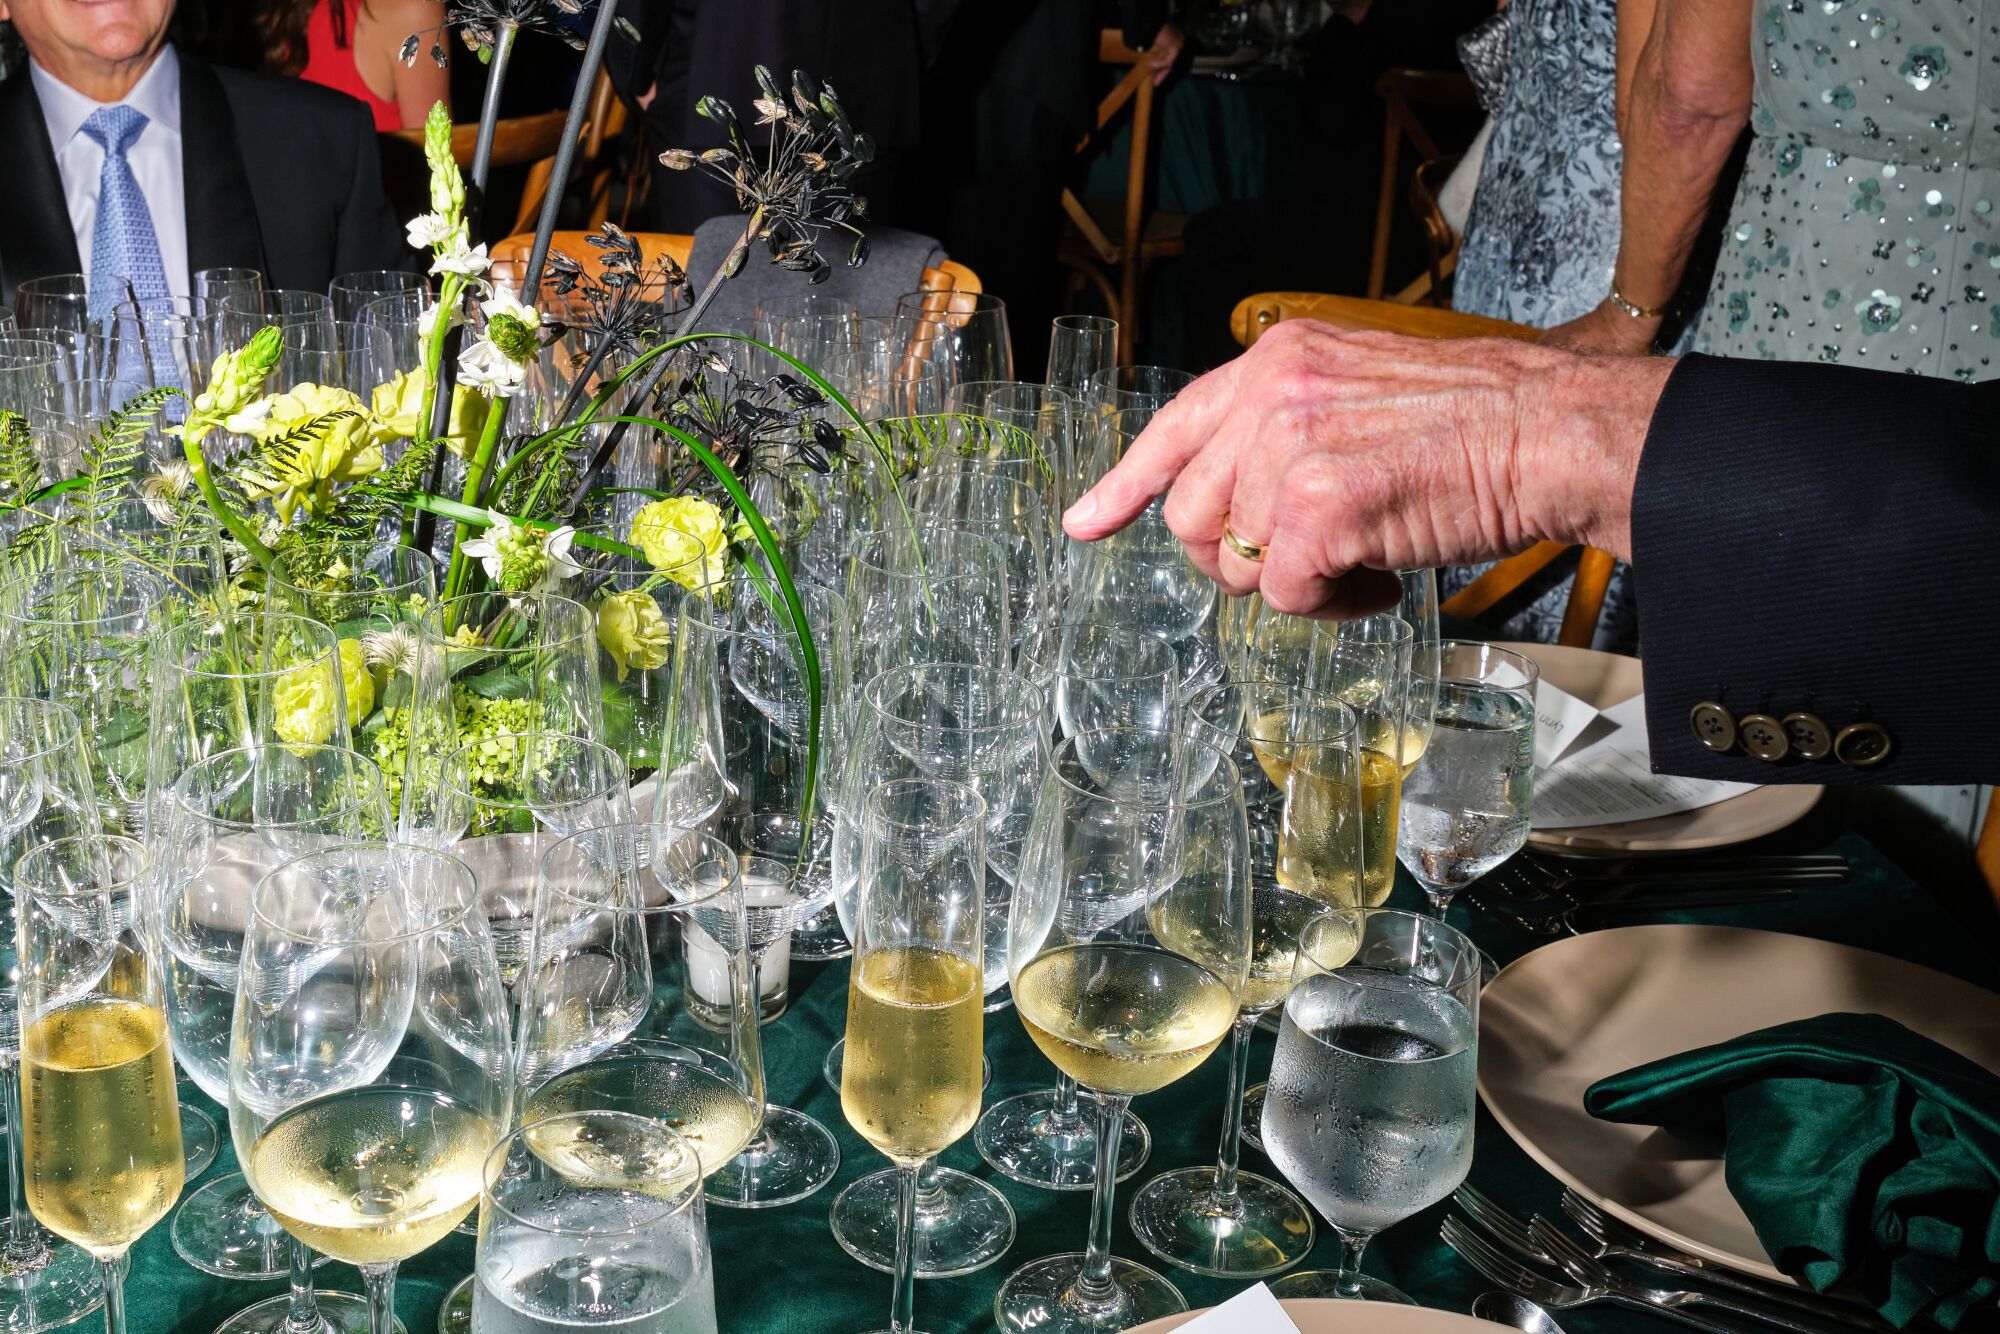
<point>110,455</point>
<point>20,466</point>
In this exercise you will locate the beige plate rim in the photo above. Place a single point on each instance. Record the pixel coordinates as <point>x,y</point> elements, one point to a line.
<point>1661,947</point>
<point>1604,679</point>
<point>1332,1315</point>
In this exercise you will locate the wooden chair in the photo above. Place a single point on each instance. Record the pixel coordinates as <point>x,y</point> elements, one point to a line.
<point>1111,245</point>
<point>1256,314</point>
<point>1987,852</point>
<point>1440,241</point>
<point>946,276</point>
<point>1402,92</point>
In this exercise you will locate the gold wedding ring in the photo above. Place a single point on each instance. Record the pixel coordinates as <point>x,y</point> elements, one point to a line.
<point>1250,551</point>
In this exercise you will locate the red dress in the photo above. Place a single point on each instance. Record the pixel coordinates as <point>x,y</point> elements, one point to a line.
<point>331,63</point>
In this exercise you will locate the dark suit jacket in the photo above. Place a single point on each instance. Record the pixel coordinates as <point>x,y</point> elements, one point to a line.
<point>281,175</point>
<point>1820,540</point>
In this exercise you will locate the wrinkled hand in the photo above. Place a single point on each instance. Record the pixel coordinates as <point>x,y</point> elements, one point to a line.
<point>1605,331</point>
<point>1352,455</point>
<point>1165,51</point>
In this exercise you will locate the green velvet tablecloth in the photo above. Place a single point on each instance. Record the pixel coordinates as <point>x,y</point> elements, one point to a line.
<point>779,1271</point>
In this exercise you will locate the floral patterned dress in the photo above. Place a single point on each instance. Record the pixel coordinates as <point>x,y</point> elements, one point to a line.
<point>1866,225</point>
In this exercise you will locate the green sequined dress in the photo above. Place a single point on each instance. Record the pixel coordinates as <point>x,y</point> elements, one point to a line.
<point>1866,225</point>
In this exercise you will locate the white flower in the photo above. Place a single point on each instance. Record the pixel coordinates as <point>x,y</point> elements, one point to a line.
<point>428,231</point>
<point>502,304</point>
<point>427,321</point>
<point>520,559</point>
<point>485,368</point>
<point>252,418</point>
<point>469,262</point>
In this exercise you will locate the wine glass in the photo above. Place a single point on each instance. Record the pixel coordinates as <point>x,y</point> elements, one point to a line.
<point>637,995</point>
<point>351,293</point>
<point>1080,346</point>
<point>100,1129</point>
<point>1109,677</point>
<point>291,309</point>
<point>990,503</point>
<point>1367,666</point>
<point>929,595</point>
<point>910,1084</point>
<point>1381,1025</point>
<point>963,334</point>
<point>1047,417</point>
<point>225,823</point>
<point>239,289</point>
<point>30,369</point>
<point>1129,942</point>
<point>184,551</point>
<point>62,301</point>
<point>1117,388</point>
<point>1467,806</point>
<point>369,1061</point>
<point>1141,577</point>
<point>593,1215</point>
<point>358,588</point>
<point>45,795</point>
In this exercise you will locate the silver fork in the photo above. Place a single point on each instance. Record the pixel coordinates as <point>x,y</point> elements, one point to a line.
<point>1585,1268</point>
<point>1617,1240</point>
<point>1495,1218</point>
<point>1517,1278</point>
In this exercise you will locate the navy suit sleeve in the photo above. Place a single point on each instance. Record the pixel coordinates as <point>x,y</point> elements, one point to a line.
<point>1814,539</point>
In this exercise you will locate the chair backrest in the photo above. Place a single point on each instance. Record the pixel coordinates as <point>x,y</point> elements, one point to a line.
<point>1440,241</point>
<point>1402,91</point>
<point>1987,852</point>
<point>1254,315</point>
<point>945,276</point>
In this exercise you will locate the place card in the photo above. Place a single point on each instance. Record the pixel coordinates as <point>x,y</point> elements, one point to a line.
<point>1610,780</point>
<point>1251,1311</point>
<point>1561,719</point>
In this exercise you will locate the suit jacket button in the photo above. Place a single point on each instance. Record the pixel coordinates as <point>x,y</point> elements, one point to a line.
<point>1862,745</point>
<point>1714,726</point>
<point>1811,738</point>
<point>1763,736</point>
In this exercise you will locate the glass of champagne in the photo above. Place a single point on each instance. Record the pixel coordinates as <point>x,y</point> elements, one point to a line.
<point>1373,1083</point>
<point>910,1083</point>
<point>1467,807</point>
<point>590,1219</point>
<point>369,1063</point>
<point>1367,667</point>
<point>233,817</point>
<point>1129,943</point>
<point>100,1127</point>
<point>1419,607</point>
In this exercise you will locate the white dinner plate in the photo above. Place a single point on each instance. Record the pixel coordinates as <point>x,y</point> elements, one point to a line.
<point>1604,679</point>
<point>1329,1315</point>
<point>1557,1020</point>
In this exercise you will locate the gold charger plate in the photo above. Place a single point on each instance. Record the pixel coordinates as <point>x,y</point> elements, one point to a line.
<point>1558,1019</point>
<point>1604,679</point>
<point>1327,1315</point>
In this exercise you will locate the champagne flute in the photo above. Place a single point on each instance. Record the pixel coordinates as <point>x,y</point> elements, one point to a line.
<point>1419,607</point>
<point>230,819</point>
<point>591,1218</point>
<point>1367,666</point>
<point>910,1084</point>
<point>45,794</point>
<point>100,1127</point>
<point>1467,807</point>
<point>1373,1083</point>
<point>1129,942</point>
<point>368,1070</point>
<point>1079,347</point>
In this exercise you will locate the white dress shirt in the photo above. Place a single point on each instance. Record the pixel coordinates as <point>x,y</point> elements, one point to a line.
<point>155,157</point>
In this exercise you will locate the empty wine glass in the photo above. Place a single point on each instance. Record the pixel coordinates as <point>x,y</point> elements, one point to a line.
<point>963,334</point>
<point>979,500</point>
<point>1080,346</point>
<point>1467,805</point>
<point>1373,1083</point>
<point>929,595</point>
<point>62,301</point>
<point>1048,417</point>
<point>1118,388</point>
<point>1130,938</point>
<point>238,289</point>
<point>351,293</point>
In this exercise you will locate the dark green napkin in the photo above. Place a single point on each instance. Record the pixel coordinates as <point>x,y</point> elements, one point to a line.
<point>1863,1154</point>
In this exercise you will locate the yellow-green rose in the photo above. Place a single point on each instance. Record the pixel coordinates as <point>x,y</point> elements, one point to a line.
<point>302,705</point>
<point>398,410</point>
<point>634,631</point>
<point>340,450</point>
<point>358,680</point>
<point>685,538</point>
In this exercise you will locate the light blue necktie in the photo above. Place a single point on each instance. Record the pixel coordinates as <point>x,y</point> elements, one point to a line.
<point>123,245</point>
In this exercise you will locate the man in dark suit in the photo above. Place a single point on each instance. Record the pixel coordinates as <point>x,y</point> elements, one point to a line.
<point>125,157</point>
<point>1814,545</point>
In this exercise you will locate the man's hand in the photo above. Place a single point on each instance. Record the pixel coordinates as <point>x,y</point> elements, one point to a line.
<point>1165,50</point>
<point>1350,455</point>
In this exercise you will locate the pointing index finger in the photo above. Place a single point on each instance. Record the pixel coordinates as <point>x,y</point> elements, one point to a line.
<point>1156,458</point>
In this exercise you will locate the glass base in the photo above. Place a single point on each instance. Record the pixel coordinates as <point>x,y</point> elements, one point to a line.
<point>819,938</point>
<point>455,1313</point>
<point>963,1224</point>
<point>796,1156</point>
<point>339,1313</point>
<point>200,1141</point>
<point>1040,1298</point>
<point>829,1069</point>
<point>1020,1139</point>
<point>222,1230</point>
<point>65,1283</point>
<point>1337,1283</point>
<point>1262,1230</point>
<point>1253,1117</point>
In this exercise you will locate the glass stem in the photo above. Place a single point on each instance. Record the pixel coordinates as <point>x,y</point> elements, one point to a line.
<point>24,1248</point>
<point>1230,1151</point>
<point>1068,1121</point>
<point>903,1299</point>
<point>1351,1247</point>
<point>303,1315</point>
<point>930,1195</point>
<point>380,1281</point>
<point>1094,1289</point>
<point>114,1294</point>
